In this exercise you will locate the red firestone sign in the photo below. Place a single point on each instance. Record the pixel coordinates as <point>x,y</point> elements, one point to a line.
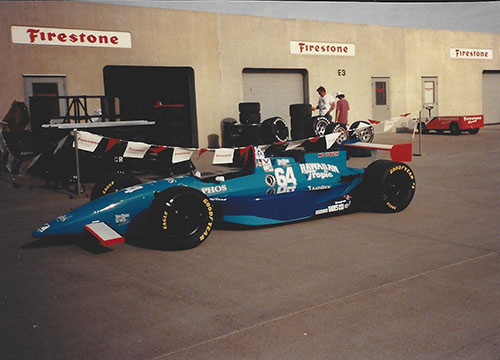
<point>320,48</point>
<point>476,54</point>
<point>70,37</point>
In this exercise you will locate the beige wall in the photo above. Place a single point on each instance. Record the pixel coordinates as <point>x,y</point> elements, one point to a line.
<point>218,47</point>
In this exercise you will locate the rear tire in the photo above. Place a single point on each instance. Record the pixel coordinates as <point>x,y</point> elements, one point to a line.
<point>181,218</point>
<point>473,131</point>
<point>389,186</point>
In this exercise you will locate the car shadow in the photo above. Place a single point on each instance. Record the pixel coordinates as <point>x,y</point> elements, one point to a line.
<point>84,241</point>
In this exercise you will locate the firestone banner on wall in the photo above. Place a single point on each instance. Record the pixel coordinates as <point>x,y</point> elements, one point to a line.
<point>475,54</point>
<point>321,48</point>
<point>36,35</point>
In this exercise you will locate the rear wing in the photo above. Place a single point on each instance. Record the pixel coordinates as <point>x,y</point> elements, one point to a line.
<point>398,152</point>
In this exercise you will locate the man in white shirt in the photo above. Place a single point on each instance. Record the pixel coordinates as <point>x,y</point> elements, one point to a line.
<point>326,103</point>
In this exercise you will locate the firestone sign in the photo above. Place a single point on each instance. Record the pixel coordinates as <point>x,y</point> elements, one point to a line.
<point>70,37</point>
<point>320,48</point>
<point>475,54</point>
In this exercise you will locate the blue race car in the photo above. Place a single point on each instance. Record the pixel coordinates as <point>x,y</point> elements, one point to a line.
<point>264,185</point>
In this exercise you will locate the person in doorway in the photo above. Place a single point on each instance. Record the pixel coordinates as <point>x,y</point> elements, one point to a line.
<point>326,103</point>
<point>342,109</point>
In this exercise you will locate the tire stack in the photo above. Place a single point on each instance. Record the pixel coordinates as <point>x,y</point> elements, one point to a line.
<point>299,115</point>
<point>251,130</point>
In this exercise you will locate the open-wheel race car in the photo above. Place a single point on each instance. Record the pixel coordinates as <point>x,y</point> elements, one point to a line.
<point>263,185</point>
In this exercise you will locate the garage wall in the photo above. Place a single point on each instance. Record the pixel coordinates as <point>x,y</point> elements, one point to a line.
<point>491,91</point>
<point>159,37</point>
<point>460,80</point>
<point>219,46</point>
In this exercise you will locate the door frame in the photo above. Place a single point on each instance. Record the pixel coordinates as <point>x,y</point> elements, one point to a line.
<point>377,110</point>
<point>59,79</point>
<point>426,101</point>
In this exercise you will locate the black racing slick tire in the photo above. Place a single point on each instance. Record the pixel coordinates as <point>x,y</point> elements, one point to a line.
<point>316,126</point>
<point>300,110</point>
<point>111,183</point>
<point>273,130</point>
<point>250,118</point>
<point>249,107</point>
<point>181,218</point>
<point>388,186</point>
<point>366,134</point>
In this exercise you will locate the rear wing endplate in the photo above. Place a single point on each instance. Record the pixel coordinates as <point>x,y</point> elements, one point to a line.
<point>398,152</point>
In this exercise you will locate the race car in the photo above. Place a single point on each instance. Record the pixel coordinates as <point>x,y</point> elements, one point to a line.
<point>263,185</point>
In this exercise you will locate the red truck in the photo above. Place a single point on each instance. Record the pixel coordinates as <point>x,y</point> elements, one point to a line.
<point>455,124</point>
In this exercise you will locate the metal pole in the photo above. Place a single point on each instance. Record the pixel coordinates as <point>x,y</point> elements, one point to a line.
<point>78,184</point>
<point>420,133</point>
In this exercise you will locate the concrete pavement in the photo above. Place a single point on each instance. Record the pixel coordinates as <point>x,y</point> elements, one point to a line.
<point>420,284</point>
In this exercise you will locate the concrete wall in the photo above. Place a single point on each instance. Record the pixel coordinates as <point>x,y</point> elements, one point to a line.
<point>218,47</point>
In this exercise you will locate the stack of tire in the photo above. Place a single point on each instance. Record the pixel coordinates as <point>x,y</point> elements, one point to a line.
<point>251,130</point>
<point>305,125</point>
<point>299,115</point>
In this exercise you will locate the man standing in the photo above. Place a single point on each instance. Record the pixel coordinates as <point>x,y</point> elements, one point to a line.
<point>342,109</point>
<point>326,103</point>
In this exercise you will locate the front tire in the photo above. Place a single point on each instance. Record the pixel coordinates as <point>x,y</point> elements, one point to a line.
<point>181,218</point>
<point>389,186</point>
<point>111,183</point>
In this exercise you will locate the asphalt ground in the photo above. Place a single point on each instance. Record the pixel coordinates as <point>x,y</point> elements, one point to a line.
<point>419,284</point>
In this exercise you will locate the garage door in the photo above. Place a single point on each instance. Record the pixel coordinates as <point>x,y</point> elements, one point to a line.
<point>491,89</point>
<point>275,90</point>
<point>140,88</point>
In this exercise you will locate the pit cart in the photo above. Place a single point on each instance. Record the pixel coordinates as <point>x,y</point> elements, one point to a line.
<point>454,124</point>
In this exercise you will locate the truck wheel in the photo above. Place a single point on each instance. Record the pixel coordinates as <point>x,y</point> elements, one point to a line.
<point>389,186</point>
<point>454,129</point>
<point>422,128</point>
<point>473,131</point>
<point>181,217</point>
<point>111,183</point>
